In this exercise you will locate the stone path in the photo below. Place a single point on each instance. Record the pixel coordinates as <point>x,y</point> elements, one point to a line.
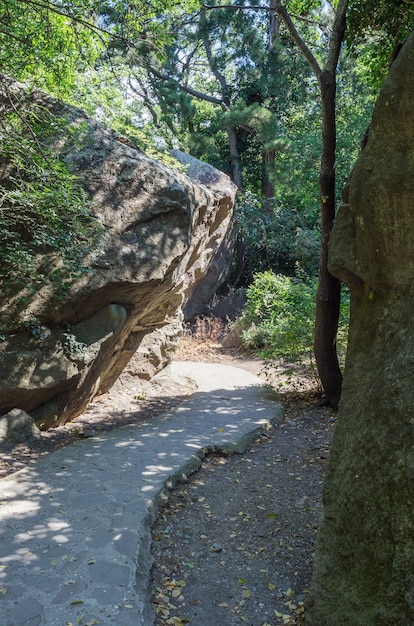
<point>75,524</point>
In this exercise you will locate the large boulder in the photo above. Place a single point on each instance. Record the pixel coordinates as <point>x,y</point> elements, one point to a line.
<point>364,565</point>
<point>160,231</point>
<point>203,293</point>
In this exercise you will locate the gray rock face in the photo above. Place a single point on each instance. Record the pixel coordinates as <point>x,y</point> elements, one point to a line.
<point>17,426</point>
<point>161,230</point>
<point>203,291</point>
<point>364,561</point>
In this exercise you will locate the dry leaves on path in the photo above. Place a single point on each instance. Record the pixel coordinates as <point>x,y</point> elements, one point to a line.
<point>235,543</point>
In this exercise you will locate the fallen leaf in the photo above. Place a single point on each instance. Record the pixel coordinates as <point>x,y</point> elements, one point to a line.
<point>282,616</point>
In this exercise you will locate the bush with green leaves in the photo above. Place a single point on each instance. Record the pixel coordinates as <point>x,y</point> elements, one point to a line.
<point>279,316</point>
<point>46,224</point>
<point>276,238</point>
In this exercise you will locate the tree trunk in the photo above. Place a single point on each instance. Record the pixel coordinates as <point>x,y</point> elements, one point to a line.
<point>235,157</point>
<point>268,164</point>
<point>328,294</point>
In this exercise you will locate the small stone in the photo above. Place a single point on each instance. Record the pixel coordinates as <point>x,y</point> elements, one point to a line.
<point>18,426</point>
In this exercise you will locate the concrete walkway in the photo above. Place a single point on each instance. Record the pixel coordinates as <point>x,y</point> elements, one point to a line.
<point>75,524</point>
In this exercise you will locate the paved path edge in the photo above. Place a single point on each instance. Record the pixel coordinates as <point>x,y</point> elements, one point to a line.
<point>144,558</point>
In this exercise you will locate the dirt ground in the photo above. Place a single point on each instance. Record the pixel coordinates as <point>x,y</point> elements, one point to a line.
<point>234,544</point>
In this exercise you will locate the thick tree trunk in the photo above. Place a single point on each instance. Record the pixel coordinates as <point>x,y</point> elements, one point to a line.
<point>328,295</point>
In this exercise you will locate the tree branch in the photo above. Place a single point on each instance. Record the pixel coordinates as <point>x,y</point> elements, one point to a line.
<point>144,96</point>
<point>186,88</point>
<point>269,9</point>
<point>299,41</point>
<point>90,25</point>
<point>337,36</point>
<point>235,7</point>
<point>211,61</point>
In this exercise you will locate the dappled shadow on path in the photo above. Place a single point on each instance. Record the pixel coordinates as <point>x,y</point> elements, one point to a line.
<point>70,522</point>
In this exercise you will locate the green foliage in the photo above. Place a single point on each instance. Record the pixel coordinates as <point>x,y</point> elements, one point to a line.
<point>38,42</point>
<point>278,319</point>
<point>375,28</point>
<point>282,233</point>
<point>45,221</point>
<point>275,237</point>
<point>279,316</point>
<point>250,81</point>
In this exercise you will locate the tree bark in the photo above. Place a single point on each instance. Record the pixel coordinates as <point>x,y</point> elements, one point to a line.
<point>235,157</point>
<point>268,164</point>
<point>328,296</point>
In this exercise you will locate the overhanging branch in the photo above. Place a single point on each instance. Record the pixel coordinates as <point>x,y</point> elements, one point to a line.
<point>186,88</point>
<point>299,41</point>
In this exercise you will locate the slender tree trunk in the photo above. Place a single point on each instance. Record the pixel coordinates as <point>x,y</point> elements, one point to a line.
<point>268,162</point>
<point>328,294</point>
<point>234,157</point>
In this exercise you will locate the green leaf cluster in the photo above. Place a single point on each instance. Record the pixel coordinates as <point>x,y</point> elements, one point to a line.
<point>46,44</point>
<point>375,29</point>
<point>278,320</point>
<point>279,316</point>
<point>46,224</point>
<point>276,237</point>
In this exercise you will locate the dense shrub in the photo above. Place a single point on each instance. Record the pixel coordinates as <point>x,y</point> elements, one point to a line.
<point>278,320</point>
